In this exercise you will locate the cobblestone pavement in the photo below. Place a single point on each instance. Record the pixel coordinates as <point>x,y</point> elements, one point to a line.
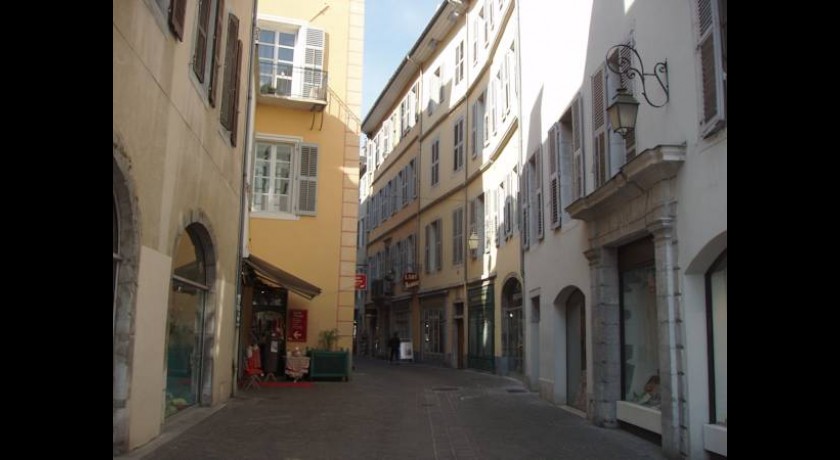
<point>406,411</point>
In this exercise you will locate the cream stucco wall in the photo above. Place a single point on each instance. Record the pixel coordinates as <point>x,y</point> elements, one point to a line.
<point>184,170</point>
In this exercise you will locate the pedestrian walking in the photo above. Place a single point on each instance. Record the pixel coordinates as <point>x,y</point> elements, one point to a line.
<point>394,345</point>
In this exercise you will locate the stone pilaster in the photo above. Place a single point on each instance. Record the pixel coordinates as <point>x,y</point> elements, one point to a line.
<point>671,339</point>
<point>606,336</point>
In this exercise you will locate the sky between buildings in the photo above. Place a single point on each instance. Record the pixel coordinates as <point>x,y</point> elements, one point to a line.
<point>391,29</point>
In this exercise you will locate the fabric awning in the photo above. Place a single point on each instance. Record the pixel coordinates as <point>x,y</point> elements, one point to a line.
<point>275,276</point>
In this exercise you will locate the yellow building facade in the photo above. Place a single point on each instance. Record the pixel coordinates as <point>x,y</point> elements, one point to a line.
<point>303,174</point>
<point>179,92</point>
<point>448,124</point>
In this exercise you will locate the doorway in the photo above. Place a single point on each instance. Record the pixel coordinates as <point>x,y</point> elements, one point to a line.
<point>576,351</point>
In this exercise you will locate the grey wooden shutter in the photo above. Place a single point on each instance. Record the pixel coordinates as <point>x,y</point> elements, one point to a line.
<point>177,13</point>
<point>217,51</point>
<point>599,128</point>
<point>438,245</point>
<point>308,179</point>
<point>710,56</point>
<point>472,225</point>
<point>426,252</point>
<point>553,179</point>
<point>577,148</point>
<point>229,87</point>
<point>200,51</point>
<point>538,212</point>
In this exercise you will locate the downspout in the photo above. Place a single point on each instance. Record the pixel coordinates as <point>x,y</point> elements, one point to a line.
<point>237,307</point>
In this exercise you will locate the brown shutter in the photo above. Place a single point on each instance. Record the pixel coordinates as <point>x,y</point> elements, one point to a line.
<point>177,12</point>
<point>200,55</point>
<point>217,51</point>
<point>228,89</point>
<point>236,83</point>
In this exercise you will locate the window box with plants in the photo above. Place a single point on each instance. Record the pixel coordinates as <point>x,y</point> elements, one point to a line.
<point>327,361</point>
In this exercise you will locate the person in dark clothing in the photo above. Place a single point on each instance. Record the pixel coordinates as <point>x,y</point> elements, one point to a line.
<point>394,345</point>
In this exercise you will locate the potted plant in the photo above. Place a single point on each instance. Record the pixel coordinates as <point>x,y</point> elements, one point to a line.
<point>326,360</point>
<point>328,339</point>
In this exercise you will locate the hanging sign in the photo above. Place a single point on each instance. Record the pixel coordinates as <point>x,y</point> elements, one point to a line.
<point>411,280</point>
<point>297,325</point>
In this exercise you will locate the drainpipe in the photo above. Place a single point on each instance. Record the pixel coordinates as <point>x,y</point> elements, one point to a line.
<point>248,139</point>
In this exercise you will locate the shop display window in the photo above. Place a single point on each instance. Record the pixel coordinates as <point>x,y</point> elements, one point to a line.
<point>717,312</point>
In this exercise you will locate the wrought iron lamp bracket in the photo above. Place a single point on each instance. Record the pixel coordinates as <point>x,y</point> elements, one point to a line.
<point>625,67</point>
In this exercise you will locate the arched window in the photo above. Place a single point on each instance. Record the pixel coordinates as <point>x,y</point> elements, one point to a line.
<point>185,322</point>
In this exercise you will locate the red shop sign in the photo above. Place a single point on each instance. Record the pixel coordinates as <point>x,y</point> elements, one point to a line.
<point>297,325</point>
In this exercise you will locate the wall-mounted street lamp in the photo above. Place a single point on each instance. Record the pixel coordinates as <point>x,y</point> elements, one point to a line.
<point>472,242</point>
<point>624,108</point>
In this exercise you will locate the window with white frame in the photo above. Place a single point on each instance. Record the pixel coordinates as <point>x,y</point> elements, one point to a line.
<point>476,24</point>
<point>291,59</point>
<point>458,236</point>
<point>386,138</point>
<point>459,62</point>
<point>508,80</point>
<point>410,250</point>
<point>458,147</point>
<point>285,177</point>
<point>435,169</point>
<point>479,126</point>
<point>434,247</point>
<point>477,224</point>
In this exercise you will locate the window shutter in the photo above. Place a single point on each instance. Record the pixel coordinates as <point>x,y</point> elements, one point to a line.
<point>438,245</point>
<point>710,56</point>
<point>230,60</point>
<point>540,227</point>
<point>599,130</point>
<point>426,250</point>
<point>313,75</point>
<point>177,12</point>
<point>217,51</point>
<point>234,113</point>
<point>553,180</point>
<point>473,226</point>
<point>577,148</point>
<point>200,54</point>
<point>308,179</point>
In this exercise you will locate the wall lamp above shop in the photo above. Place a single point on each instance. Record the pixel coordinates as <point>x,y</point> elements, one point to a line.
<point>624,108</point>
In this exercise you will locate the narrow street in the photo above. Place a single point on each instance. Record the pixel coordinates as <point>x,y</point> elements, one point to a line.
<point>406,411</point>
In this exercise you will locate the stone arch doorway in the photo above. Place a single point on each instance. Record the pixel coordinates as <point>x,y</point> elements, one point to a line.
<point>123,294</point>
<point>570,348</point>
<point>513,327</point>
<point>576,351</point>
<point>189,321</point>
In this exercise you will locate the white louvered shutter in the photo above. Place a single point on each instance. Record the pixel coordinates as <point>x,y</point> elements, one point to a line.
<point>313,74</point>
<point>710,55</point>
<point>308,179</point>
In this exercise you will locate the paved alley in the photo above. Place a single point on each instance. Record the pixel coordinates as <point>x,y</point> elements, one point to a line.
<point>409,411</point>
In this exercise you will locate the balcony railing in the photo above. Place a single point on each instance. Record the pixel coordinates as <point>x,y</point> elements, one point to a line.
<point>284,80</point>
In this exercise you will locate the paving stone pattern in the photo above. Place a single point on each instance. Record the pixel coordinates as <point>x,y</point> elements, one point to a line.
<point>406,411</point>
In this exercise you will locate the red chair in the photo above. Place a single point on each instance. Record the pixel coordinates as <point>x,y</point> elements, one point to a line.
<point>253,369</point>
